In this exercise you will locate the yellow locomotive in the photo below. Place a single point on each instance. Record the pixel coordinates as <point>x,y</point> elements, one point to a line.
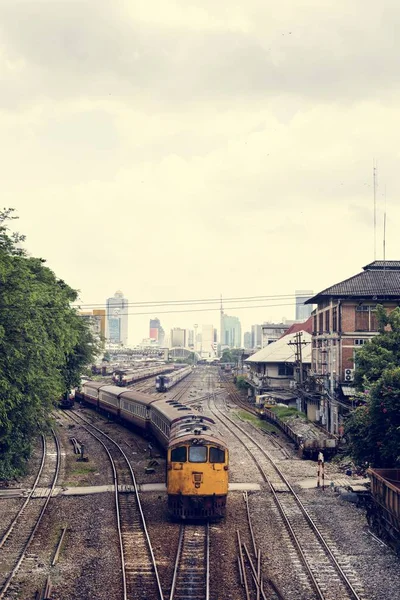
<point>197,460</point>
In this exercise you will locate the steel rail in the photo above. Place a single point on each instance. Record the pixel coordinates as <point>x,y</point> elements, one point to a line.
<point>21,510</point>
<point>115,479</point>
<point>22,556</point>
<point>180,559</point>
<point>136,489</point>
<point>302,507</point>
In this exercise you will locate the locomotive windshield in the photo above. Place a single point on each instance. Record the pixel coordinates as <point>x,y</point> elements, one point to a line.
<point>216,455</point>
<point>198,454</point>
<point>179,454</point>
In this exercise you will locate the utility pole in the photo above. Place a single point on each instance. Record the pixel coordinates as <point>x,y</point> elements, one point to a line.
<point>299,343</point>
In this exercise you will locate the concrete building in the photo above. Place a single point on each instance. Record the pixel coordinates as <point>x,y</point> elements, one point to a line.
<point>178,337</point>
<point>117,319</point>
<point>256,336</point>
<point>232,332</point>
<point>190,338</point>
<point>270,332</point>
<point>275,368</point>
<point>247,340</point>
<point>97,323</point>
<point>344,320</point>
<point>303,311</point>
<point>208,346</point>
<point>156,331</point>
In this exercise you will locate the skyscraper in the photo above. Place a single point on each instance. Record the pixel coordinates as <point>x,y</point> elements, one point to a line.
<point>117,319</point>
<point>156,331</point>
<point>256,336</point>
<point>178,337</point>
<point>247,340</point>
<point>232,332</point>
<point>208,346</point>
<point>303,311</point>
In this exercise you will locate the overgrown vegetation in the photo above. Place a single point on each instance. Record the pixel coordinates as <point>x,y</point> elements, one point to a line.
<point>44,346</point>
<point>265,425</point>
<point>241,382</point>
<point>373,428</point>
<point>284,412</point>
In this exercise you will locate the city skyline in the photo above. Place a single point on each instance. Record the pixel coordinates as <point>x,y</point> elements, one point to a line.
<point>187,150</point>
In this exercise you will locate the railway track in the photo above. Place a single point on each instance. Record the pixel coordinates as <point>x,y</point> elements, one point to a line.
<point>15,543</point>
<point>191,578</point>
<point>329,579</point>
<point>138,565</point>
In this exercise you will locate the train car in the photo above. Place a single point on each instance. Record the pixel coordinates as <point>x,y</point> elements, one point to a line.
<point>309,444</point>
<point>135,408</point>
<point>167,381</point>
<point>197,461</point>
<point>383,513</point>
<point>109,399</point>
<point>124,378</point>
<point>90,392</point>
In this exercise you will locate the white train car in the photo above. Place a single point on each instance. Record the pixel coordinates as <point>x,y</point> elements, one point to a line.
<point>166,382</point>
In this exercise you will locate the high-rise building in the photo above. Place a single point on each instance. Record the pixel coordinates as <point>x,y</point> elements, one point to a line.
<point>156,331</point>
<point>247,340</point>
<point>303,312</point>
<point>232,332</point>
<point>189,338</point>
<point>97,323</point>
<point>117,319</point>
<point>256,336</point>
<point>208,346</point>
<point>178,337</point>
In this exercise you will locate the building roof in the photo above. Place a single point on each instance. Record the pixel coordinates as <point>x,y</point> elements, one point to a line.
<point>379,279</point>
<point>282,352</point>
<point>303,326</point>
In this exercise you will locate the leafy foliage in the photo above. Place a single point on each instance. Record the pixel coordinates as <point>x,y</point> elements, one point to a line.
<point>241,382</point>
<point>374,427</point>
<point>44,345</point>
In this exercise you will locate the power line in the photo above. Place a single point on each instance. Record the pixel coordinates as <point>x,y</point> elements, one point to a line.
<point>195,310</point>
<point>194,301</point>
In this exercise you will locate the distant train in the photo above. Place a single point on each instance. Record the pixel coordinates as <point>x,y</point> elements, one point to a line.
<point>67,400</point>
<point>317,441</point>
<point>197,459</point>
<point>166,382</point>
<point>123,378</point>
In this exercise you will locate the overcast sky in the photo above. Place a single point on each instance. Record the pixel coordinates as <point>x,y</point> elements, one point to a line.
<point>186,149</point>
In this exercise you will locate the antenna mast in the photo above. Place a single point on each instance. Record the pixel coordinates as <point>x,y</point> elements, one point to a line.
<point>384,231</point>
<point>375,187</point>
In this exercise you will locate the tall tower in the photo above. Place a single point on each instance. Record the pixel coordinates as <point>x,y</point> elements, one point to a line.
<point>222,325</point>
<point>117,319</point>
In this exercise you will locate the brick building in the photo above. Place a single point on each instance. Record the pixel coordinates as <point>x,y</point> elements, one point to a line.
<point>344,320</point>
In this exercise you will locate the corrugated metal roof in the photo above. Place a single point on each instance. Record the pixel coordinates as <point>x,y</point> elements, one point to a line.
<point>281,352</point>
<point>374,282</point>
<point>383,264</point>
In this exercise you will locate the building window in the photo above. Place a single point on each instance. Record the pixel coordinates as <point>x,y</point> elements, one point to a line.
<point>360,342</point>
<point>366,319</point>
<point>334,319</point>
<point>327,321</point>
<point>285,370</point>
<point>321,323</point>
<point>315,325</point>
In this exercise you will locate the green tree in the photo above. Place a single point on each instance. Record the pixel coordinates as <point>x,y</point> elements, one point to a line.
<point>44,345</point>
<point>374,427</point>
<point>226,356</point>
